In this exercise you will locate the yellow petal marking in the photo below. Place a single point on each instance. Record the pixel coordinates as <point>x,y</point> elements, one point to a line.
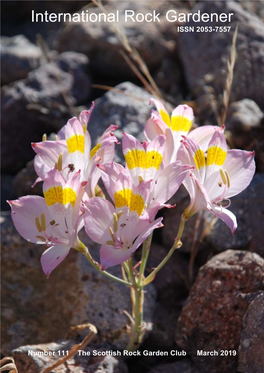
<point>215,155</point>
<point>140,158</point>
<point>94,150</point>
<point>165,117</point>
<point>57,194</point>
<point>179,123</point>
<point>76,143</point>
<point>126,197</point>
<point>199,158</point>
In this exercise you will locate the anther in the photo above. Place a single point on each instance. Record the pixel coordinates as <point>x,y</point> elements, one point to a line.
<point>223,176</point>
<point>119,214</point>
<point>38,224</point>
<point>140,178</point>
<point>43,222</point>
<point>228,179</point>
<point>115,223</point>
<point>56,137</point>
<point>112,233</point>
<point>56,165</point>
<point>59,167</point>
<point>110,243</point>
<point>44,137</point>
<point>41,238</point>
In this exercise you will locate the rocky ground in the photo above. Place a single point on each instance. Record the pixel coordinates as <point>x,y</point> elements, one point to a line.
<point>210,294</point>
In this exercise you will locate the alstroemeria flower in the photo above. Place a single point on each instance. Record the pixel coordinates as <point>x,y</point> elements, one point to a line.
<point>73,150</point>
<point>54,220</point>
<point>174,127</point>
<point>145,162</point>
<point>218,175</point>
<point>120,230</point>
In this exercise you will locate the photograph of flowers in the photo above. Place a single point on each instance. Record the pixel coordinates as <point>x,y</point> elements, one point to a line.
<point>132,186</point>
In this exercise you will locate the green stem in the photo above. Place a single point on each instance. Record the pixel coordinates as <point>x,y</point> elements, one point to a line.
<point>176,245</point>
<point>144,258</point>
<point>83,249</point>
<point>137,331</point>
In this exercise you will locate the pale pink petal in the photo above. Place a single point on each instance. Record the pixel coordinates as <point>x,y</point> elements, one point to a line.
<point>226,216</point>
<point>199,197</point>
<point>168,182</point>
<point>241,167</point>
<point>154,127</point>
<point>47,155</point>
<point>183,111</point>
<point>84,116</point>
<point>25,210</point>
<point>170,150</point>
<point>144,235</point>
<point>98,218</point>
<point>110,256</point>
<point>52,257</point>
<point>203,135</point>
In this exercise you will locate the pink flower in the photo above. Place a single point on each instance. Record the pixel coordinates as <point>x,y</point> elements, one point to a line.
<point>74,148</point>
<point>120,229</point>
<point>146,162</point>
<point>218,175</point>
<point>54,220</point>
<point>174,127</point>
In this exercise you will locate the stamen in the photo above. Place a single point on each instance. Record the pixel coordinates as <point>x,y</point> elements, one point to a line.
<point>41,238</point>
<point>56,137</point>
<point>119,214</point>
<point>44,137</point>
<point>38,224</point>
<point>59,167</point>
<point>110,243</point>
<point>112,233</point>
<point>43,222</point>
<point>223,176</point>
<point>228,179</point>
<point>115,222</point>
<point>56,165</point>
<point>140,178</point>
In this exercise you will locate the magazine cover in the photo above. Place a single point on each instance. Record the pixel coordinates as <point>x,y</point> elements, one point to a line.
<point>132,186</point>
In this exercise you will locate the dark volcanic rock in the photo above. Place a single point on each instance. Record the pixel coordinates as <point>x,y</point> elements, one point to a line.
<point>251,350</point>
<point>248,207</point>
<point>183,366</point>
<point>18,58</point>
<point>42,103</point>
<point>99,41</point>
<point>37,310</point>
<point>24,180</point>
<point>245,121</point>
<point>126,106</point>
<point>213,316</point>
<point>206,53</point>
<point>7,191</point>
<point>27,360</point>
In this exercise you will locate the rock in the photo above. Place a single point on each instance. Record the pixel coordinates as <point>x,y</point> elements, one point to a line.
<point>213,315</point>
<point>99,41</point>
<point>171,284</point>
<point>37,310</point>
<point>7,191</point>
<point>182,366</point>
<point>42,103</point>
<point>28,361</point>
<point>249,210</point>
<point>214,47</point>
<point>244,121</point>
<point>24,180</point>
<point>18,57</point>
<point>251,349</point>
<point>169,79</point>
<point>126,106</point>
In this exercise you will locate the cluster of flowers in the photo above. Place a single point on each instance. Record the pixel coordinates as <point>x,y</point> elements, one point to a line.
<point>170,156</point>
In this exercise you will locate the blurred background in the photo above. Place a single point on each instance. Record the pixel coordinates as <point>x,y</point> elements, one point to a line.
<point>52,71</point>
